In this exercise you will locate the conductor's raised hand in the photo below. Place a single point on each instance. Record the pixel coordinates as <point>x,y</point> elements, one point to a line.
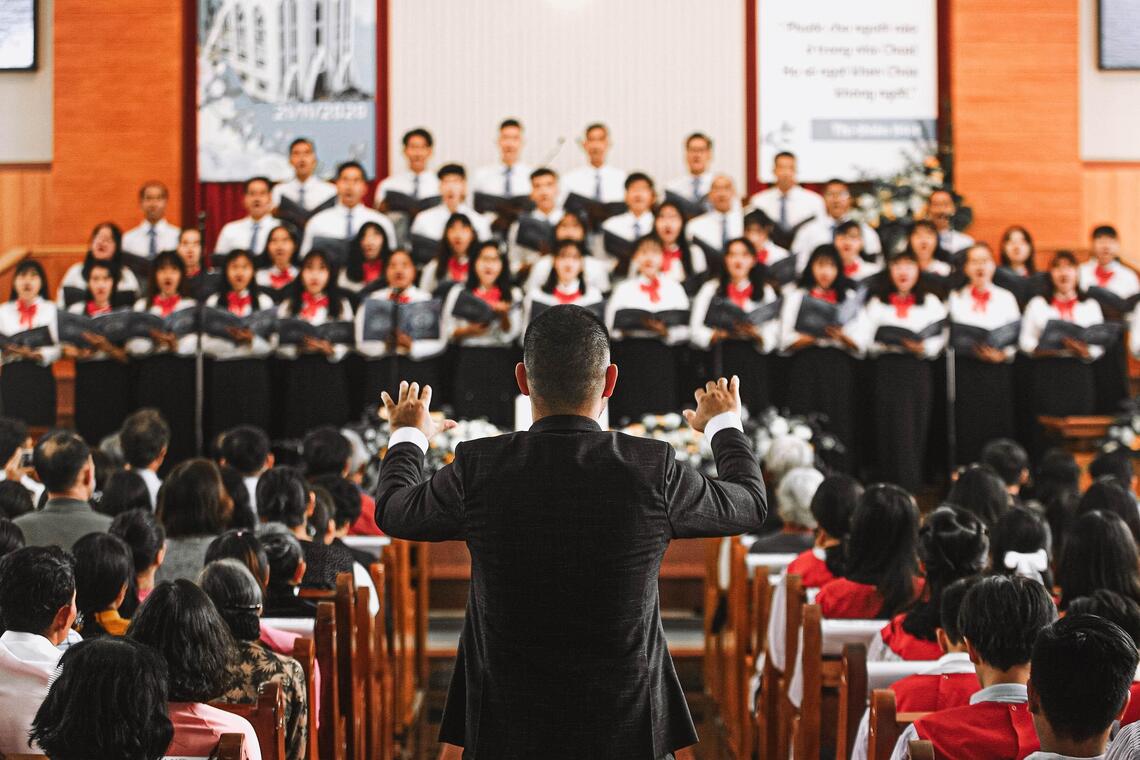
<point>411,410</point>
<point>717,397</point>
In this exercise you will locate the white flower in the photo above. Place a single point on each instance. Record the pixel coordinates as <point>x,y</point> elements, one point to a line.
<point>672,421</point>
<point>778,427</point>
<point>802,432</point>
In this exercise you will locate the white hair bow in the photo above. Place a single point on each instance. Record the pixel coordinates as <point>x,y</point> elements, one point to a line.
<point>1028,564</point>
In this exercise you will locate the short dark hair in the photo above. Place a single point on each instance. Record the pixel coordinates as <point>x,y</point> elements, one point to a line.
<point>59,458</point>
<point>236,594</point>
<point>1081,674</point>
<point>35,583</point>
<point>15,500</point>
<point>951,605</point>
<point>509,123</point>
<point>301,141</point>
<point>282,496</point>
<point>345,166</point>
<point>285,555</point>
<point>1104,230</point>
<point>125,490</point>
<point>345,496</point>
<point>596,125</point>
<point>13,433</point>
<point>418,132</point>
<point>153,183</point>
<point>1116,464</point>
<point>143,437</point>
<point>142,533</point>
<point>190,501</point>
<point>783,154</point>
<point>244,546</point>
<point>1001,617</point>
<point>543,171</point>
<point>1020,530</point>
<point>109,699</point>
<point>978,489</point>
<point>249,183</point>
<point>245,447</point>
<point>638,177</point>
<point>180,622</point>
<point>452,169</point>
<point>699,136</point>
<point>566,351</point>
<point>1112,607</point>
<point>102,567</point>
<point>325,451</point>
<point>1107,495</point>
<point>11,537</point>
<point>1007,458</point>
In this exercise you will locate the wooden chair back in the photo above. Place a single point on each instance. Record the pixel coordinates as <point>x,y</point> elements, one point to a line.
<point>351,687</point>
<point>382,734</point>
<point>364,670</point>
<point>794,600</point>
<point>267,716</point>
<point>808,724</point>
<point>852,695</point>
<point>230,747</point>
<point>421,564</point>
<point>330,737</point>
<point>736,640</point>
<point>305,652</point>
<point>397,566</point>
<point>886,724</point>
<point>713,684</point>
<point>921,750</point>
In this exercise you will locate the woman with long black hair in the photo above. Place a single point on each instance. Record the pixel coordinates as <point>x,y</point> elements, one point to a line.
<point>566,283</point>
<point>682,261</point>
<point>364,268</point>
<point>450,265</point>
<point>27,386</point>
<point>106,244</point>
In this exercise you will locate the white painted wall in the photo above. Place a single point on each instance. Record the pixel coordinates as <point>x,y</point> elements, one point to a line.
<point>1110,101</point>
<point>26,103</point>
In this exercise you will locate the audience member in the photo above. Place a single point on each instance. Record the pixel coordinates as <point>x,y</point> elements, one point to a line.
<point>145,437</point>
<point>1107,495</point>
<point>346,511</point>
<point>124,491</point>
<point>978,489</point>
<point>1099,553</point>
<point>194,508</point>
<point>794,498</point>
<point>146,539</point>
<point>103,570</point>
<point>15,443</point>
<point>1010,461</point>
<point>244,515</point>
<point>1125,613</point>
<point>63,463</point>
<point>246,449</point>
<point>15,500</point>
<point>326,452</point>
<point>286,569</point>
<point>1021,545</point>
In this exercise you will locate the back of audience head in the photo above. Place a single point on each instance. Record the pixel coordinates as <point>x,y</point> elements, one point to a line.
<point>13,437</point>
<point>105,467</point>
<point>180,622</point>
<point>1057,473</point>
<point>245,547</point>
<point>1009,460</point>
<point>1021,545</point>
<point>103,572</point>
<point>978,489</point>
<point>63,463</point>
<point>784,455</point>
<point>1115,464</point>
<point>346,500</point>
<point>1082,671</point>
<point>37,592</point>
<point>15,500</point>
<point>952,544</point>
<point>1106,495</point>
<point>794,497</point>
<point>833,504</point>
<point>125,490</point>
<point>246,449</point>
<point>286,559</point>
<point>283,497</point>
<point>950,637</point>
<point>141,531</point>
<point>109,700</point>
<point>144,437</point>
<point>193,501</point>
<point>1000,618</point>
<point>881,545</point>
<point>1099,553</point>
<point>1111,606</point>
<point>237,596</point>
<point>322,527</point>
<point>234,483</point>
<point>11,537</point>
<point>326,451</point>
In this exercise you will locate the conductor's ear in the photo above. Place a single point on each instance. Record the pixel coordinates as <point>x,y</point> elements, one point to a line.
<point>611,381</point>
<point>520,378</point>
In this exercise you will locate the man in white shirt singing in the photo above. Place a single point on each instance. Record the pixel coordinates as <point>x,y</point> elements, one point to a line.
<point>597,180</point>
<point>305,189</point>
<point>348,215</point>
<point>696,183</point>
<point>251,232</point>
<point>509,178</point>
<point>787,203</point>
<point>155,234</point>
<point>821,230</point>
<point>453,193</point>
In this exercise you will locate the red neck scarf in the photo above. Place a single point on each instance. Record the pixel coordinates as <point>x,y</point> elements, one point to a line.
<point>851,269</point>
<point>1103,275</point>
<point>828,295</point>
<point>902,304</point>
<point>93,309</point>
<point>490,295</point>
<point>238,303</point>
<point>456,271</point>
<point>981,298</point>
<point>564,297</point>
<point>166,304</point>
<point>671,256</point>
<point>1064,307</point>
<point>311,304</point>
<point>740,295</point>
<point>193,273</point>
<point>397,296</point>
<point>27,313</point>
<point>279,278</point>
<point>372,269</point>
<point>762,255</point>
<point>652,289</point>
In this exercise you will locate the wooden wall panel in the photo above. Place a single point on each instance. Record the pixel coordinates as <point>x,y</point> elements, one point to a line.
<point>1111,195</point>
<point>25,205</point>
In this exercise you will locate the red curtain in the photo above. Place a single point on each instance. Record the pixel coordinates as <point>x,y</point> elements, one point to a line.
<point>219,202</point>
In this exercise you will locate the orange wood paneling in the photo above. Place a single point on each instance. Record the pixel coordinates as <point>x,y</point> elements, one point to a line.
<point>25,193</point>
<point>1111,195</point>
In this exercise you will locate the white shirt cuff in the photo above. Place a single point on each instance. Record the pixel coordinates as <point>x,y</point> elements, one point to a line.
<point>720,422</point>
<point>410,435</point>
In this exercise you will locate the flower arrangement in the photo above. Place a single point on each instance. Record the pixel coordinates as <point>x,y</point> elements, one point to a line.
<point>1124,430</point>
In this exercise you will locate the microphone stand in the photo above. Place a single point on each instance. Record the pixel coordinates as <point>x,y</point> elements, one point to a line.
<point>553,152</point>
<point>951,403</point>
<point>199,357</point>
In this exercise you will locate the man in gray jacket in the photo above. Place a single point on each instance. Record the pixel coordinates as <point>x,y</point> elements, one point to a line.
<point>63,463</point>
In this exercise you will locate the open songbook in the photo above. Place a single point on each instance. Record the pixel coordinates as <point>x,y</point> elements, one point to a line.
<point>595,211</point>
<point>965,338</point>
<point>37,337</point>
<point>219,322</point>
<point>397,201</point>
<point>816,315</point>
<point>617,246</point>
<point>893,335</point>
<point>296,214</point>
<point>486,203</point>
<point>1057,330</point>
<point>418,320</point>
<point>634,319</point>
<point>535,234</point>
<point>689,207</point>
<point>1111,302</point>
<point>335,248</point>
<point>291,332</point>
<point>723,314</point>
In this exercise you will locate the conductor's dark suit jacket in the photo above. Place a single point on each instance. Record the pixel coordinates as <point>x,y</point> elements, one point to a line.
<point>562,653</point>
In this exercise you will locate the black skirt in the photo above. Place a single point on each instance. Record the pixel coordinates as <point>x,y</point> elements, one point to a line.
<point>239,394</point>
<point>102,398</point>
<point>647,379</point>
<point>385,374</point>
<point>166,383</point>
<point>315,394</point>
<point>1063,387</point>
<point>740,358</point>
<point>27,390</point>
<point>483,384</point>
<point>983,407</point>
<point>823,380</point>
<point>1111,373</point>
<point>902,414</point>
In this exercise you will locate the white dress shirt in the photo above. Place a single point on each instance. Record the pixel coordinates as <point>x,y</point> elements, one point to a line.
<point>137,239</point>
<point>876,314</point>
<point>692,187</point>
<point>790,312</point>
<point>629,226</point>
<point>28,663</point>
<point>153,484</point>
<point>821,230</point>
<point>422,185</point>
<point>238,234</point>
<point>432,222</point>
<point>46,316</point>
<point>308,194</point>
<point>1000,310</point>
<point>424,348</point>
<point>321,317</point>
<point>222,349</point>
<point>1038,313</point>
<point>496,336</point>
<point>711,227</point>
<point>584,181</point>
<point>701,335</point>
<point>953,241</point>
<point>340,223</point>
<point>596,270</point>
<point>801,204</point>
<point>251,486</point>
<point>128,285</point>
<point>629,295</point>
<point>187,344</point>
<point>1009,693</point>
<point>493,180</point>
<point>1122,281</point>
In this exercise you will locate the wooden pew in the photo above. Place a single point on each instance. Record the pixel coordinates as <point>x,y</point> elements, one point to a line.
<point>352,706</point>
<point>735,639</point>
<point>230,747</point>
<point>921,750</point>
<point>794,599</point>
<point>267,717</point>
<point>397,566</point>
<point>305,652</point>
<point>331,736</point>
<point>886,725</point>
<point>383,731</point>
<point>713,684</point>
<point>852,696</point>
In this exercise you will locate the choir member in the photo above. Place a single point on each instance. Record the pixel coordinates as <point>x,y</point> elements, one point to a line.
<point>743,348</point>
<point>983,372</point>
<point>451,262</point>
<point>27,386</point>
<point>547,211</point>
<point>102,371</point>
<point>399,356</point>
<point>364,269</point>
<point>105,245</point>
<point>509,178</point>
<point>348,214</point>
<point>597,269</point>
<point>1104,268</point>
<point>165,360</point>
<point>306,189</point>
<point>940,209</point>
<point>758,229</point>
<point>597,180</point>
<point>1116,288</point>
<point>923,242</point>
<point>1018,274</point>
<point>418,182</point>
<point>634,223</point>
<point>281,251</point>
<point>485,354</point>
<point>155,234</point>
<point>644,346</point>
<point>239,388</point>
<point>432,223</point>
<point>820,230</point>
<point>880,573</point>
<point>713,229</point>
<point>1063,380</point>
<point>788,203</point>
<point>200,282</point>
<point>849,243</point>
<point>314,391</point>
<point>694,185</point>
<point>952,544</point>
<point>684,262</point>
<point>902,365</point>
<point>566,283</point>
<point>821,367</point>
<point>250,232</point>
